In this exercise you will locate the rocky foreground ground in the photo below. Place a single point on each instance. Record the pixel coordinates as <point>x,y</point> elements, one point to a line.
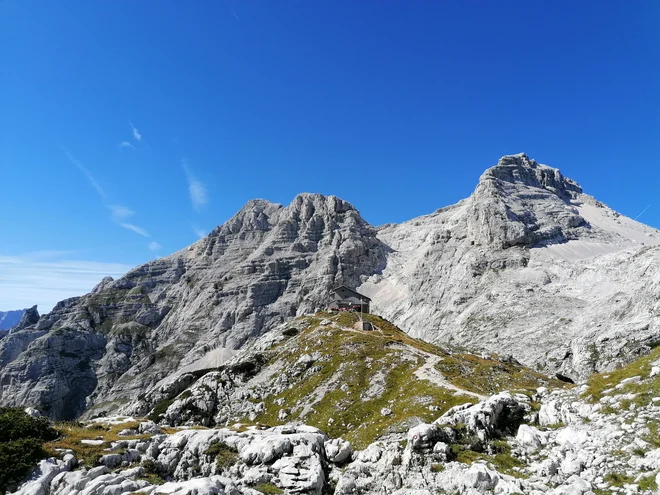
<point>599,437</point>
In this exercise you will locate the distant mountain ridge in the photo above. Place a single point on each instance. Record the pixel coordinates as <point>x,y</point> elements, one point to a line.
<point>528,266</point>
<point>9,319</point>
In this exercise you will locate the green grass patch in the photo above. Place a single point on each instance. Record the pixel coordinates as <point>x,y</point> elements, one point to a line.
<point>499,457</point>
<point>653,436</point>
<point>553,426</point>
<point>352,360</point>
<point>268,488</point>
<point>648,483</point>
<point>152,478</point>
<point>491,375</point>
<point>225,455</point>
<point>646,390</point>
<point>73,433</point>
<point>618,479</point>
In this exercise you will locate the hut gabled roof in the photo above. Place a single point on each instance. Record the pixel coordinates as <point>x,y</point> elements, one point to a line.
<point>354,292</point>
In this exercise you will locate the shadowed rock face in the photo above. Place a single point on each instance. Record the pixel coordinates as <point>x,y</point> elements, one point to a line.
<point>528,265</point>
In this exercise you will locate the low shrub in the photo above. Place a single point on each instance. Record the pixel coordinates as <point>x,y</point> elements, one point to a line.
<point>159,410</point>
<point>225,455</point>
<point>21,444</point>
<point>16,424</point>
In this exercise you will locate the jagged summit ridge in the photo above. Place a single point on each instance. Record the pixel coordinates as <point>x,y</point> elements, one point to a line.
<point>521,202</point>
<point>522,169</point>
<point>261,214</point>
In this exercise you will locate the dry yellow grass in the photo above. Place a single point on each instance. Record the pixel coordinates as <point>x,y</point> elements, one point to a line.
<point>72,435</point>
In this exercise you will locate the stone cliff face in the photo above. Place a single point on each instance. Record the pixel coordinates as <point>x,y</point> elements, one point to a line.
<point>528,265</point>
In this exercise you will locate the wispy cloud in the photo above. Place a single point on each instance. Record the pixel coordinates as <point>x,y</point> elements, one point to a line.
<point>118,213</point>
<point>86,173</point>
<point>201,233</point>
<point>136,136</point>
<point>29,279</point>
<point>134,228</point>
<point>136,133</point>
<point>154,246</point>
<point>232,10</point>
<point>49,254</point>
<point>196,189</point>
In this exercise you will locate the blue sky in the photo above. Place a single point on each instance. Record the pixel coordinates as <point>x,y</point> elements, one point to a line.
<point>128,128</point>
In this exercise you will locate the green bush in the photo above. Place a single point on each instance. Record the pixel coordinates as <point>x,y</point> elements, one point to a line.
<point>21,444</point>
<point>159,410</point>
<point>16,424</point>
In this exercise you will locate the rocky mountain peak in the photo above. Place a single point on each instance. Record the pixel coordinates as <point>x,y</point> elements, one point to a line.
<point>263,215</point>
<point>521,170</point>
<point>30,317</point>
<point>520,202</point>
<point>317,217</point>
<point>330,204</point>
<point>105,281</point>
<point>255,215</point>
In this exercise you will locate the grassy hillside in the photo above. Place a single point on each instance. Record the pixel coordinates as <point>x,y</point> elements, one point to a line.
<point>366,383</point>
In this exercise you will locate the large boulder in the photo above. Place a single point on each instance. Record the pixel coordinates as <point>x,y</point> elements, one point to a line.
<point>499,414</point>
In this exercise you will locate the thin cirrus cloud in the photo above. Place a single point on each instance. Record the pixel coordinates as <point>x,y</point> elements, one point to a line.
<point>118,213</point>
<point>154,246</point>
<point>135,228</point>
<point>196,189</point>
<point>90,178</point>
<point>136,133</point>
<point>47,277</point>
<point>136,136</point>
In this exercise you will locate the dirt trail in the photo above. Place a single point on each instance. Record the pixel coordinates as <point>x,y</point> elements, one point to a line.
<point>427,371</point>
